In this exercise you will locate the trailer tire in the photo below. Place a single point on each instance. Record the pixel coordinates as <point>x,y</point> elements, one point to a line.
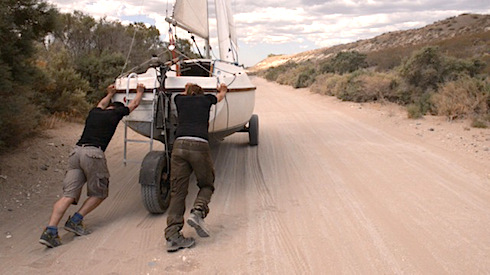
<point>253,130</point>
<point>155,182</point>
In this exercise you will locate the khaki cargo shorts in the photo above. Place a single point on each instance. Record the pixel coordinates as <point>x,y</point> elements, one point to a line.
<point>86,165</point>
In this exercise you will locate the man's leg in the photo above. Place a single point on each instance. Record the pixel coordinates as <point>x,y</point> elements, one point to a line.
<point>72,186</point>
<point>59,210</point>
<point>94,164</point>
<point>179,183</point>
<point>180,173</point>
<point>50,237</point>
<point>202,165</point>
<point>89,204</point>
<point>75,224</point>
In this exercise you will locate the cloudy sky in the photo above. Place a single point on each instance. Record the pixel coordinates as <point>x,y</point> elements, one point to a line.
<point>291,26</point>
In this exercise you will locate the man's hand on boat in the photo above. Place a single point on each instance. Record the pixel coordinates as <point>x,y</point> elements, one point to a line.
<point>111,89</point>
<point>140,89</point>
<point>222,89</point>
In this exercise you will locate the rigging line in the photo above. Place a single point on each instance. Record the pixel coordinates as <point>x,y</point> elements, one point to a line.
<point>132,42</point>
<point>212,52</point>
<point>129,52</point>
<point>234,51</point>
<point>146,62</point>
<point>196,63</point>
<point>195,44</point>
<point>202,67</point>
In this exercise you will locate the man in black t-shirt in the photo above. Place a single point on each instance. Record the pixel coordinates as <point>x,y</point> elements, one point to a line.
<point>191,153</point>
<point>87,164</point>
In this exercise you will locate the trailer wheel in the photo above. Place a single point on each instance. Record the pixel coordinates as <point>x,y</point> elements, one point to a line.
<point>253,130</point>
<point>155,182</point>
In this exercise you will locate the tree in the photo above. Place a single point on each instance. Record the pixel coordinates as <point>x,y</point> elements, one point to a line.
<point>23,23</point>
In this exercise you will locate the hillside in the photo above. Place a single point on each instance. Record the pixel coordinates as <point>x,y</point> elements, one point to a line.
<point>471,32</point>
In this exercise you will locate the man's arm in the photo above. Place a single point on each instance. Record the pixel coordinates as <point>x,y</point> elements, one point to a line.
<point>222,89</point>
<point>137,99</point>
<point>103,103</point>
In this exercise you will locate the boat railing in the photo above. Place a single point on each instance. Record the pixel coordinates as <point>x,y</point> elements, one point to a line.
<point>128,120</point>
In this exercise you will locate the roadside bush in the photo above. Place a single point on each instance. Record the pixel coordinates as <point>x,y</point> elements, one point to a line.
<point>387,59</point>
<point>464,97</point>
<point>297,75</point>
<point>363,86</point>
<point>414,111</point>
<point>288,77</point>
<point>19,119</point>
<point>328,84</point>
<point>62,89</point>
<point>100,71</point>
<point>480,123</point>
<point>427,68</point>
<point>272,73</point>
<point>305,78</point>
<point>423,69</point>
<point>344,62</point>
<point>417,101</point>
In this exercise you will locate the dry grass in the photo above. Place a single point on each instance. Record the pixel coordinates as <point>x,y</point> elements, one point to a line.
<point>56,120</point>
<point>361,86</point>
<point>465,97</point>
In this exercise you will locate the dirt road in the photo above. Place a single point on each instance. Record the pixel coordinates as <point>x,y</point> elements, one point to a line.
<point>331,189</point>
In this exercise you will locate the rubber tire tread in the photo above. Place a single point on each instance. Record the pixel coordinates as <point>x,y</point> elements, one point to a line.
<point>154,163</point>
<point>253,130</point>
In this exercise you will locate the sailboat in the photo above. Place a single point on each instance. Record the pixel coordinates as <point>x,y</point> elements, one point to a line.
<point>156,116</point>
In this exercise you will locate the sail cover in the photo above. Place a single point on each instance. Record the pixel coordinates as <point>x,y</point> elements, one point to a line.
<point>228,48</point>
<point>192,15</point>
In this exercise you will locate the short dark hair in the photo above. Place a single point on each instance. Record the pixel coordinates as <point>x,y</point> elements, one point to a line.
<point>116,104</point>
<point>193,89</point>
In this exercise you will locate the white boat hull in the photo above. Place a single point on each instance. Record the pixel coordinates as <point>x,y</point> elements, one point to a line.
<point>228,116</point>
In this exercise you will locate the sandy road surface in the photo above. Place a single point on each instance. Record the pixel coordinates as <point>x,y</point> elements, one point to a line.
<point>329,190</point>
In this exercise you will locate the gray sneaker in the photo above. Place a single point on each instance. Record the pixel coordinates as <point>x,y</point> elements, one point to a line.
<point>50,240</point>
<point>176,243</point>
<point>77,228</point>
<point>195,220</point>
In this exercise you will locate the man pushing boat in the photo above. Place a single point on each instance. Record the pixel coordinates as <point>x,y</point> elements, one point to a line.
<point>87,164</point>
<point>191,153</point>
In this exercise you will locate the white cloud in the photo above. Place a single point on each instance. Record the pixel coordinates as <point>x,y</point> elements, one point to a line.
<point>305,22</point>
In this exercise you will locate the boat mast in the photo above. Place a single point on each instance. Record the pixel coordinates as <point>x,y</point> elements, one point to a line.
<point>206,41</point>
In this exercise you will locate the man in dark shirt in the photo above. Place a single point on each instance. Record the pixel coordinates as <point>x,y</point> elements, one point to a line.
<point>87,164</point>
<point>191,153</point>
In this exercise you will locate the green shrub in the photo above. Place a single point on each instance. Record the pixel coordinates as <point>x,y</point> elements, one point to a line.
<point>100,71</point>
<point>327,84</point>
<point>428,68</point>
<point>388,58</point>
<point>413,111</point>
<point>305,78</point>
<point>273,73</point>
<point>423,69</point>
<point>19,118</point>
<point>344,62</point>
<point>478,123</point>
<point>61,88</point>
<point>364,86</point>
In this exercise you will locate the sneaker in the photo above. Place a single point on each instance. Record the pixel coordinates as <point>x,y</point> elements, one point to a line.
<point>174,244</point>
<point>77,228</point>
<point>197,222</point>
<point>50,240</point>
